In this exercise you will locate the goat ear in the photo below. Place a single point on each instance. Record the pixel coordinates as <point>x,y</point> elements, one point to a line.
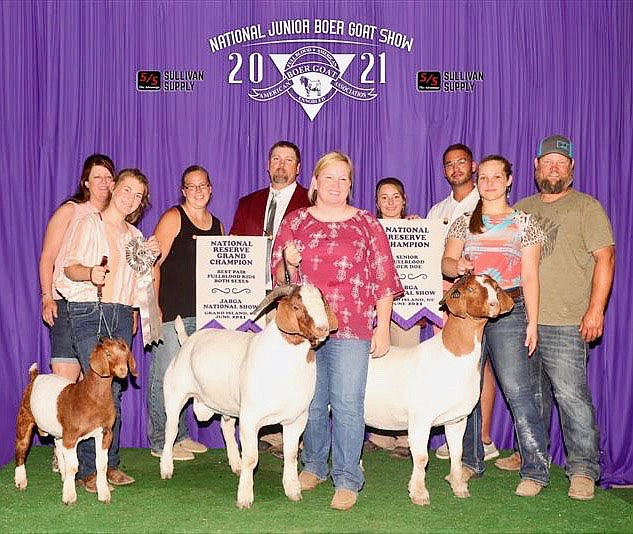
<point>99,360</point>
<point>332,321</point>
<point>131,363</point>
<point>286,319</point>
<point>454,299</point>
<point>505,301</point>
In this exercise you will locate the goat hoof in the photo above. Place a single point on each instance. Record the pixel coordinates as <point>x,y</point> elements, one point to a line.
<point>244,504</point>
<point>20,477</point>
<point>296,497</point>
<point>166,473</point>
<point>420,499</point>
<point>70,500</point>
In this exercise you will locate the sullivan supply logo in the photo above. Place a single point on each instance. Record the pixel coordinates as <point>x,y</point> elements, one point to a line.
<point>168,80</point>
<point>311,75</point>
<point>449,81</point>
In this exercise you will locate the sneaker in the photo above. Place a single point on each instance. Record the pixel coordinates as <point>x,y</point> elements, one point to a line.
<point>277,452</point>
<point>581,488</point>
<point>467,474</point>
<point>490,451</point>
<point>343,499</point>
<point>192,446</point>
<point>528,488</point>
<point>442,452</point>
<point>370,446</point>
<point>54,464</point>
<point>179,454</point>
<point>263,446</point>
<point>510,463</point>
<point>118,477</point>
<point>400,453</point>
<point>90,483</point>
<point>309,481</point>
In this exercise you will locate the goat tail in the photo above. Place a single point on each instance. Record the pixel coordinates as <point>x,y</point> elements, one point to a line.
<point>33,371</point>
<point>25,422</point>
<point>179,326</point>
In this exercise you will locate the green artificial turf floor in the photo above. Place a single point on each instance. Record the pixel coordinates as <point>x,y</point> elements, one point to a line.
<point>201,498</point>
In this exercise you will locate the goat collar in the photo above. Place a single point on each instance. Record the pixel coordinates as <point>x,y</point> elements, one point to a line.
<point>295,338</point>
<point>99,374</point>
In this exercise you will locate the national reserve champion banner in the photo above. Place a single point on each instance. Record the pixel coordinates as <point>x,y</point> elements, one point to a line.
<point>230,281</point>
<point>417,246</point>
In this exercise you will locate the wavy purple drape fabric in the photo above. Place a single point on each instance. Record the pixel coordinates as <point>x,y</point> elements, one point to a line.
<point>67,89</point>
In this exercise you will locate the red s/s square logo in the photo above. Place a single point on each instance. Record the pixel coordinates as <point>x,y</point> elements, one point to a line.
<point>429,80</point>
<point>148,80</point>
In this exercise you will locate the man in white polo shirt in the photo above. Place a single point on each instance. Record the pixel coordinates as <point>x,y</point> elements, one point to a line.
<point>459,169</point>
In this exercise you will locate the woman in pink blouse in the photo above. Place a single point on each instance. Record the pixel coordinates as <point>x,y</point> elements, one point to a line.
<point>92,196</point>
<point>107,273</point>
<point>344,251</point>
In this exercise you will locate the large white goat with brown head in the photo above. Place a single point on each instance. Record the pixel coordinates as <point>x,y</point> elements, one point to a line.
<point>438,381</point>
<point>264,379</point>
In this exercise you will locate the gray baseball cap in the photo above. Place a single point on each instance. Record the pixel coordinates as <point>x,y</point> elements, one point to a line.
<point>555,144</point>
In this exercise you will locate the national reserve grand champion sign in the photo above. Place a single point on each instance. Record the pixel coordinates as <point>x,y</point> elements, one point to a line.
<point>230,281</point>
<point>417,246</point>
<point>313,73</point>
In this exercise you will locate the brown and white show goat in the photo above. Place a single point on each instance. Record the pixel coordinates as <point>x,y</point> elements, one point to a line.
<point>264,378</point>
<point>436,382</point>
<point>71,413</point>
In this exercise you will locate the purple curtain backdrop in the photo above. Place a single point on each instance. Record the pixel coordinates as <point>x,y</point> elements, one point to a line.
<point>68,89</point>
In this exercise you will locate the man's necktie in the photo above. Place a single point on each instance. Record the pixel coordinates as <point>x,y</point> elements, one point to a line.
<point>270,224</point>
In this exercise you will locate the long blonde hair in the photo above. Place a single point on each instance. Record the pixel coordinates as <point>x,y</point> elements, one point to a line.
<point>134,217</point>
<point>324,160</point>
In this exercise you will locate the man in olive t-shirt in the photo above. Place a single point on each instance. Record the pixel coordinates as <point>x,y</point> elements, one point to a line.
<point>576,275</point>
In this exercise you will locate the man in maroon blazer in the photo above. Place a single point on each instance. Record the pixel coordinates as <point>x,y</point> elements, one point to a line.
<point>284,164</point>
<point>255,216</point>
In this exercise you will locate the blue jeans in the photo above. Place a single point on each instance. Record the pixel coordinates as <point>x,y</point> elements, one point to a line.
<point>162,354</point>
<point>503,341</point>
<point>562,355</point>
<point>85,323</point>
<point>341,366</point>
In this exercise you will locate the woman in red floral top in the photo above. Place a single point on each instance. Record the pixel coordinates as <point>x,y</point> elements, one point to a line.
<point>344,251</point>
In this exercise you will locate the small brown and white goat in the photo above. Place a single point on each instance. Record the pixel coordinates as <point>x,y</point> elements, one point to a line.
<point>264,378</point>
<point>436,382</point>
<point>71,413</point>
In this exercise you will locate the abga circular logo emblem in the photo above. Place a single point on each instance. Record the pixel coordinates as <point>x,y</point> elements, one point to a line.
<point>312,76</point>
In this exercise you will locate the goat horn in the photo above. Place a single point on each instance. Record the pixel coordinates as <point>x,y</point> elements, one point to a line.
<point>281,291</point>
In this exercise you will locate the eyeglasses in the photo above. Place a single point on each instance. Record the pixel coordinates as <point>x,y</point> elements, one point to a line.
<point>196,187</point>
<point>459,162</point>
